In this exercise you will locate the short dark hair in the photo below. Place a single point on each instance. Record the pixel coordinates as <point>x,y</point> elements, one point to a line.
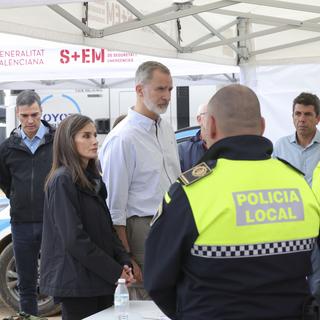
<point>27,98</point>
<point>307,99</point>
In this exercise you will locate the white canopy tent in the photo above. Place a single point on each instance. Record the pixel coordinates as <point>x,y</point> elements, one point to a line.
<point>218,31</point>
<point>33,63</point>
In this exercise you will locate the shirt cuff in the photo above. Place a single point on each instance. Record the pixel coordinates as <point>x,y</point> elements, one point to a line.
<point>118,218</point>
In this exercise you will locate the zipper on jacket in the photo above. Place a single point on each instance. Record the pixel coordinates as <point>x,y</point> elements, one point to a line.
<point>32,182</point>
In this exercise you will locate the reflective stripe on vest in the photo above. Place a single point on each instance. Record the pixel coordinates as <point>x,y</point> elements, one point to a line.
<point>252,202</point>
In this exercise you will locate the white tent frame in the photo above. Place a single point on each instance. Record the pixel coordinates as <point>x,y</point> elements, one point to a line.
<point>212,39</point>
<point>247,45</point>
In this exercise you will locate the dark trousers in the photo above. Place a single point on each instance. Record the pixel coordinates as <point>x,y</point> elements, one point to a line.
<point>79,308</point>
<point>26,239</point>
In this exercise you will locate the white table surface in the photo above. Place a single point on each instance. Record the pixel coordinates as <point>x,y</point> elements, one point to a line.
<point>138,310</point>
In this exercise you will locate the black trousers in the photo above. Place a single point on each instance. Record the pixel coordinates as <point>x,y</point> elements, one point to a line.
<point>79,308</point>
<point>26,247</point>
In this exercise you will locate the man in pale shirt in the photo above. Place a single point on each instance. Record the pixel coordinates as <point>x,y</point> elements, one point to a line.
<point>302,150</point>
<point>192,150</point>
<point>139,160</point>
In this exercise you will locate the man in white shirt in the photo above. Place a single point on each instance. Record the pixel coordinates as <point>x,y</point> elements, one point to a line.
<point>139,160</point>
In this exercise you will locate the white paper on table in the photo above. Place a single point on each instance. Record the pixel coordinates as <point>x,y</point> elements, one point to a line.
<point>154,316</point>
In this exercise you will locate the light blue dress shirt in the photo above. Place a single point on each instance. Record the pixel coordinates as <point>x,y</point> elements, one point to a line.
<point>304,159</point>
<point>139,160</point>
<point>34,143</point>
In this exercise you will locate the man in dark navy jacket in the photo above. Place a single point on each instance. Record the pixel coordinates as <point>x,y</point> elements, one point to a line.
<point>25,161</point>
<point>191,151</point>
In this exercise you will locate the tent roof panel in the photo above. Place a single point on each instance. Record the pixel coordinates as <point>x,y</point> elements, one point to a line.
<point>28,60</point>
<point>176,29</point>
<point>27,3</point>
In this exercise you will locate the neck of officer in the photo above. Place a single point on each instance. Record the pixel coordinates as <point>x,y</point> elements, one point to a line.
<point>219,135</point>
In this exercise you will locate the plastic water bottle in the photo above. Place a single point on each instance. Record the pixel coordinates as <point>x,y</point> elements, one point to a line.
<point>121,300</point>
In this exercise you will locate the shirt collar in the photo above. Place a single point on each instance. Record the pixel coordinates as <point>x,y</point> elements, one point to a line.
<point>316,138</point>
<point>293,138</point>
<point>39,135</point>
<point>142,120</point>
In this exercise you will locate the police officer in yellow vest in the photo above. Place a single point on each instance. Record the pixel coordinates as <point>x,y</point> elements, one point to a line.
<point>234,235</point>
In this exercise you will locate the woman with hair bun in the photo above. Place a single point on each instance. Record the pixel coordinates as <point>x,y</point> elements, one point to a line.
<point>81,255</point>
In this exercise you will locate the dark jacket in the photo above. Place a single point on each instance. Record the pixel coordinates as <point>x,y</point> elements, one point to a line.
<point>191,151</point>
<point>81,254</point>
<point>22,175</point>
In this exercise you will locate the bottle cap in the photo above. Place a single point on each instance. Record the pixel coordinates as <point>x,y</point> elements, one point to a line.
<point>121,280</point>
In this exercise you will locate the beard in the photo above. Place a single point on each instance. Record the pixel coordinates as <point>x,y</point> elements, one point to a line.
<point>151,106</point>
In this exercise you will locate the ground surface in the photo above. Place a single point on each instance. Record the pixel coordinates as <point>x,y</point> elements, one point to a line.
<point>5,312</point>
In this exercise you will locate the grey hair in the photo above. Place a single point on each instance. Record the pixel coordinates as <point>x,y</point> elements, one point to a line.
<point>144,72</point>
<point>27,98</point>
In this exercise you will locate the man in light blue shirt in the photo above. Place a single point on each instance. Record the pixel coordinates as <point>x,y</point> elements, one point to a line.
<point>302,150</point>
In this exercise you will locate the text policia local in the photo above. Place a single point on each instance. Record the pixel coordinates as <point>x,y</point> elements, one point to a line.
<point>268,206</point>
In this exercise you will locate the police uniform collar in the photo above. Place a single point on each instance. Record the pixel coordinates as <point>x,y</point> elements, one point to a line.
<point>245,147</point>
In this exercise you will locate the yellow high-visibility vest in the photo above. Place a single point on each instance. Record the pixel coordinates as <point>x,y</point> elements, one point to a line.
<point>252,202</point>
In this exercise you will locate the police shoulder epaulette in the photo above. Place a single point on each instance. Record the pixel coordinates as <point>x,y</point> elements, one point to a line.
<point>195,173</point>
<point>290,165</point>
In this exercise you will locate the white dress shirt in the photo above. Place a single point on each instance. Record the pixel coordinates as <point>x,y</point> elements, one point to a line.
<point>139,160</point>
